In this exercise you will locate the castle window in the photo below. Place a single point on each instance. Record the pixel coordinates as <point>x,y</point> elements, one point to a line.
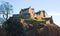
<point>35,17</point>
<point>27,15</point>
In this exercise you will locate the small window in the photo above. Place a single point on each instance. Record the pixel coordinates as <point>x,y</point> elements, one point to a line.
<point>35,17</point>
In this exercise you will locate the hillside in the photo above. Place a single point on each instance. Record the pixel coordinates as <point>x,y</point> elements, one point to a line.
<point>28,27</point>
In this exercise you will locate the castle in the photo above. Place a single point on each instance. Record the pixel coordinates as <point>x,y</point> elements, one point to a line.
<point>30,13</point>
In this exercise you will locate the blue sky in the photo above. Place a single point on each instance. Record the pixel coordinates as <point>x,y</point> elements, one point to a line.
<point>52,7</point>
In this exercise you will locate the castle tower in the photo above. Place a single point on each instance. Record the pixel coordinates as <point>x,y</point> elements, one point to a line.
<point>32,12</point>
<point>43,14</point>
<point>27,12</point>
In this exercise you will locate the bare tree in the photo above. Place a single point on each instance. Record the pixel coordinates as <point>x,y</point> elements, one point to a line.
<point>6,9</point>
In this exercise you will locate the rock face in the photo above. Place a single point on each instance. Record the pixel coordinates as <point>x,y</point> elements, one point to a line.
<point>22,27</point>
<point>48,30</point>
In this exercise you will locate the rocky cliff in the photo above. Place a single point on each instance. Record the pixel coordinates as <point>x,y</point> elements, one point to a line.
<point>28,27</point>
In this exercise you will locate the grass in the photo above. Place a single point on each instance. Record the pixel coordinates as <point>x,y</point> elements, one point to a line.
<point>36,19</point>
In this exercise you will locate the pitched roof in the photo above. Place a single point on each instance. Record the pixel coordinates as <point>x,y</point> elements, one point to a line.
<point>26,9</point>
<point>40,11</point>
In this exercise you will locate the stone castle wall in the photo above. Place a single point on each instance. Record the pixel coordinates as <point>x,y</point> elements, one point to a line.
<point>30,13</point>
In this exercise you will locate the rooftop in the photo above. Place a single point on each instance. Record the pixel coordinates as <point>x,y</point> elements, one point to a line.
<point>26,9</point>
<point>40,11</point>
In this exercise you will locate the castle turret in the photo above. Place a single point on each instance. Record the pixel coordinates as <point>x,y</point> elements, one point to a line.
<point>32,12</point>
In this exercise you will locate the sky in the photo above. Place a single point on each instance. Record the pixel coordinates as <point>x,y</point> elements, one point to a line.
<point>52,7</point>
